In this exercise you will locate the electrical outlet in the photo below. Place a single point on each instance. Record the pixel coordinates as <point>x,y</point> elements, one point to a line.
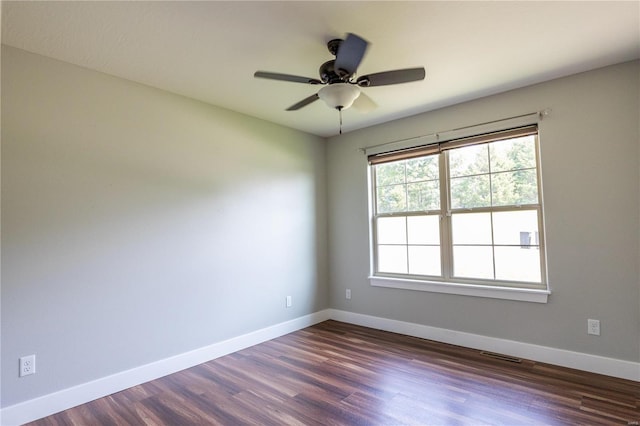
<point>289,301</point>
<point>348,293</point>
<point>593,327</point>
<point>27,365</point>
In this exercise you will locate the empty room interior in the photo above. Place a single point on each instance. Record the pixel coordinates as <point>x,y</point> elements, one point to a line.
<point>320,212</point>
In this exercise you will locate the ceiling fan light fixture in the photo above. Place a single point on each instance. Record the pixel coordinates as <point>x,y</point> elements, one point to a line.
<point>339,95</point>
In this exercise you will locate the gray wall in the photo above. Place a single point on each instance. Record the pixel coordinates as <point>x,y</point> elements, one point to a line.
<point>589,167</point>
<point>137,224</point>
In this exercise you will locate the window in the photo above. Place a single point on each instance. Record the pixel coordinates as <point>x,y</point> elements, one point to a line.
<point>465,212</point>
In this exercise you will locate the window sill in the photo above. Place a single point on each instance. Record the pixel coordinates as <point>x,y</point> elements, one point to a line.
<point>493,292</point>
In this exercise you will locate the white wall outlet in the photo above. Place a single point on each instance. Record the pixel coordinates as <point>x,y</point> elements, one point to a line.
<point>593,327</point>
<point>348,293</point>
<point>289,301</point>
<point>27,365</point>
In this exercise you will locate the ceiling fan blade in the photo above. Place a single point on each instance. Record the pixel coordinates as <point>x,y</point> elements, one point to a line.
<point>286,77</point>
<point>350,54</point>
<point>304,102</point>
<point>391,77</point>
<point>363,103</point>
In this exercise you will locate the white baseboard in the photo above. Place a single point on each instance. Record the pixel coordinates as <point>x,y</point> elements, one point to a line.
<point>67,398</point>
<point>46,405</point>
<point>592,363</point>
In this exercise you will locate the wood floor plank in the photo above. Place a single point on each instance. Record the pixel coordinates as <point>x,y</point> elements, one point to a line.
<point>340,374</point>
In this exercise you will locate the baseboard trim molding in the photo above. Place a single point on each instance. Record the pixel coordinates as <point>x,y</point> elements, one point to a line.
<point>47,405</point>
<point>586,362</point>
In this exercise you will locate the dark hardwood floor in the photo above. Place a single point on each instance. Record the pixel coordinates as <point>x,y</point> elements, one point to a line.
<point>340,374</point>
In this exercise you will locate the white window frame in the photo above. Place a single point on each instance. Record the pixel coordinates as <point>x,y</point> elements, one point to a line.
<point>447,283</point>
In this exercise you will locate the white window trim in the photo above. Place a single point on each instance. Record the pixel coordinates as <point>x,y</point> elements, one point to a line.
<point>476,290</point>
<point>453,287</point>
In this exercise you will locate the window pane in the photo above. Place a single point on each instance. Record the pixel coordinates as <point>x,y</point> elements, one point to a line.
<point>391,199</point>
<point>473,262</point>
<point>392,230</point>
<point>513,154</point>
<point>471,228</point>
<point>518,228</point>
<point>469,192</point>
<point>424,168</point>
<point>514,188</point>
<point>390,173</point>
<point>424,196</point>
<point>424,260</point>
<point>424,229</point>
<point>518,264</point>
<point>471,160</point>
<point>392,259</point>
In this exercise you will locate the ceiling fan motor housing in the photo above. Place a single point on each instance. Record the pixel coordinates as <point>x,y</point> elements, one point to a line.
<point>328,73</point>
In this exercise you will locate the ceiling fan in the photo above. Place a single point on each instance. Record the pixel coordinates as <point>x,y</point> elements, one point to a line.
<point>341,87</point>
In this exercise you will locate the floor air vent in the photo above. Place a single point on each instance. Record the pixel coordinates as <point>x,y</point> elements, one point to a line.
<point>501,357</point>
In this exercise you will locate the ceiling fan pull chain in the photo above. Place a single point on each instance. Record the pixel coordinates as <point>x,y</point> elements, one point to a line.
<point>340,111</point>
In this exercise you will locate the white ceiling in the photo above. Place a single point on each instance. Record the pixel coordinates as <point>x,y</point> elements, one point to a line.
<point>210,50</point>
